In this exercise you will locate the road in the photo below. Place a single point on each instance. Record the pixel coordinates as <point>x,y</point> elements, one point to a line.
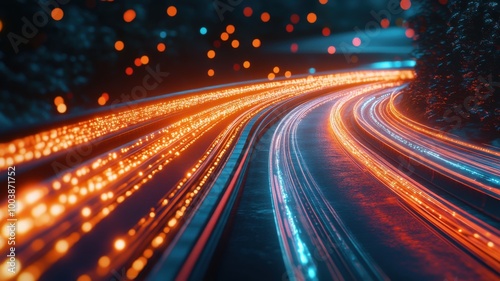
<point>146,188</point>
<point>315,241</point>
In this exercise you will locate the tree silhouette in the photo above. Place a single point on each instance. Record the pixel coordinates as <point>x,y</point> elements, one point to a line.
<point>457,64</point>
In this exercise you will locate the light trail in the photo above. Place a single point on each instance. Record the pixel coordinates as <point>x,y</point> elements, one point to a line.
<point>475,167</point>
<point>305,220</point>
<point>61,212</point>
<point>364,110</point>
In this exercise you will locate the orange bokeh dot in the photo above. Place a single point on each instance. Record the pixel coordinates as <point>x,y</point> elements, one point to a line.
<point>144,59</point>
<point>101,100</point>
<point>384,23</point>
<point>230,29</point>
<point>211,72</point>
<point>58,100</point>
<point>405,4</point>
<point>211,54</point>
<point>288,74</point>
<point>311,17</point>
<point>323,2</point>
<point>276,69</point>
<point>247,11</point>
<point>271,76</point>
<point>119,45</point>
<point>57,14</point>
<point>172,11</point>
<point>161,47</point>
<point>235,43</point>
<point>137,62</point>
<point>332,50</point>
<point>246,64</point>
<point>256,43</point>
<point>1,25</point>
<point>265,16</point>
<point>105,96</point>
<point>61,108</point>
<point>224,36</point>
<point>129,70</point>
<point>326,31</point>
<point>129,15</point>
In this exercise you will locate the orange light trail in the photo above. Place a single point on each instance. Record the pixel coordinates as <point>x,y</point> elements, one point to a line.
<point>62,209</point>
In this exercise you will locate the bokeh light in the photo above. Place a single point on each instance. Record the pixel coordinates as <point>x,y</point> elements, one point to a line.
<point>247,12</point>
<point>289,27</point>
<point>235,43</point>
<point>144,59</point>
<point>211,72</point>
<point>332,50</point>
<point>384,23</point>
<point>311,17</point>
<point>211,54</point>
<point>294,18</point>
<point>271,76</point>
<point>119,45</point>
<point>230,29</point>
<point>58,100</point>
<point>224,36</point>
<point>246,64</point>
<point>172,11</point>
<point>57,14</point>
<point>323,2</point>
<point>294,47</point>
<point>256,42</point>
<point>410,33</point>
<point>119,244</point>
<point>276,69</point>
<point>356,41</point>
<point>161,47</point>
<point>101,101</point>
<point>1,25</point>
<point>129,70</point>
<point>288,74</point>
<point>129,15</point>
<point>326,31</point>
<point>61,108</point>
<point>405,4</point>
<point>265,17</point>
<point>203,30</point>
